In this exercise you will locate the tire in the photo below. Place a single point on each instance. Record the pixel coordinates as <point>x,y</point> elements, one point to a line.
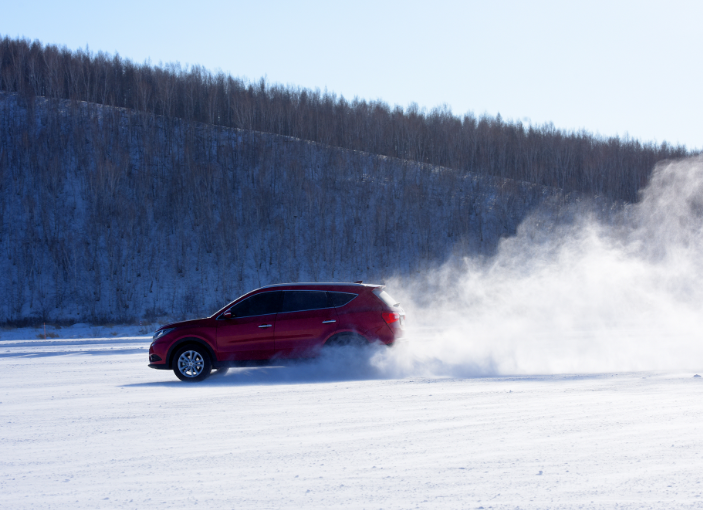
<point>346,340</point>
<point>192,363</point>
<point>221,371</point>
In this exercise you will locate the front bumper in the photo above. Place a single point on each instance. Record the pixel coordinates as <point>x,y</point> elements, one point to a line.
<point>158,366</point>
<point>157,358</point>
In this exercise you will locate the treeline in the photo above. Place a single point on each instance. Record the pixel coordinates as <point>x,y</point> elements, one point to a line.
<point>574,161</point>
<point>111,214</point>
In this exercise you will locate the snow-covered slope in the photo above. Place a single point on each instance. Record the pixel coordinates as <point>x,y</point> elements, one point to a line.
<point>92,427</point>
<point>111,215</point>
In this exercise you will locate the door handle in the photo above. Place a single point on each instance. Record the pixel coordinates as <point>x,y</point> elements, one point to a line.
<point>265,326</point>
<point>329,321</point>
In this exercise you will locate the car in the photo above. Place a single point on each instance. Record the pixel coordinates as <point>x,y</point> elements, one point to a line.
<point>291,320</point>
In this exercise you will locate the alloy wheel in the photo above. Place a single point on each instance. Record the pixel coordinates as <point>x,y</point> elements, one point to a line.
<point>191,363</point>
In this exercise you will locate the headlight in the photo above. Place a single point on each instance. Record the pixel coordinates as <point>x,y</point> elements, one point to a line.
<point>161,333</point>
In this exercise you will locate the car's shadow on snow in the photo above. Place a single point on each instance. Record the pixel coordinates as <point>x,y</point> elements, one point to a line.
<point>329,371</point>
<point>342,364</point>
<point>362,364</point>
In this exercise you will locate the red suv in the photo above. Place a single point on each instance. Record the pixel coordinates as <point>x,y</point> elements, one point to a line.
<point>291,320</point>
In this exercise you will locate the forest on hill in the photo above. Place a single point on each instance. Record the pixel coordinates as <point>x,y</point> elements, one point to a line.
<point>111,214</point>
<point>573,161</point>
<point>141,192</point>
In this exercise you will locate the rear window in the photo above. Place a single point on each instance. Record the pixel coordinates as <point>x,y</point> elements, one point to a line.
<point>386,297</point>
<point>299,300</point>
<point>338,299</point>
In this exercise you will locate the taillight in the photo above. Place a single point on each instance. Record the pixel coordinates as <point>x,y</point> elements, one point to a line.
<point>391,317</point>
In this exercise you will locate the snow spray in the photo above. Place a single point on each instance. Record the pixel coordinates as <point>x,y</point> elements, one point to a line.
<point>584,297</point>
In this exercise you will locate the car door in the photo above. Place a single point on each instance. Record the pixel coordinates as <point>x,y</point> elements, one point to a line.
<point>249,333</point>
<point>303,323</point>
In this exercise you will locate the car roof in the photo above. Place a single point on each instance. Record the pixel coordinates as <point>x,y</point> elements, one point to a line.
<point>319,284</point>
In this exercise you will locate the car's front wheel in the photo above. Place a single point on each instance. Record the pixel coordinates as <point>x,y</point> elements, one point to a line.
<point>192,363</point>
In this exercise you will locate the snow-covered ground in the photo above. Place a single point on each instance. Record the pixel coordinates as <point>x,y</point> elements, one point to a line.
<point>83,331</point>
<point>85,424</point>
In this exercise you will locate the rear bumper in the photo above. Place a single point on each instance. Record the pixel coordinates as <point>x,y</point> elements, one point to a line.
<point>158,366</point>
<point>385,334</point>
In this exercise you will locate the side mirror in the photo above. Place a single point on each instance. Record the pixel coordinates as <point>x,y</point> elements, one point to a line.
<point>228,314</point>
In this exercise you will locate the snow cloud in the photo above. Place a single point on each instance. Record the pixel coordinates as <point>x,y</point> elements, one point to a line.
<point>588,296</point>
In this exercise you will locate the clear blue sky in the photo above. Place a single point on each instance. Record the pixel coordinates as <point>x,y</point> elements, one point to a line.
<point>610,67</point>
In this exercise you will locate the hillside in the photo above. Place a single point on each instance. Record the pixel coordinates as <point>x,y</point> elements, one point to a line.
<point>110,214</point>
<point>574,161</point>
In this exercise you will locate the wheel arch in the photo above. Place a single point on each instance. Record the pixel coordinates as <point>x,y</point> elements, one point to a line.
<point>334,337</point>
<point>186,341</point>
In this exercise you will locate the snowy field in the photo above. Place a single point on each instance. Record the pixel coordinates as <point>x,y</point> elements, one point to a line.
<point>86,424</point>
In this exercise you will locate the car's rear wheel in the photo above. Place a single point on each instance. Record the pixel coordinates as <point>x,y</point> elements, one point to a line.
<point>346,340</point>
<point>192,363</point>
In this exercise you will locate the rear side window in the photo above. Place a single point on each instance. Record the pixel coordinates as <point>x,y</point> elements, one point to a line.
<point>386,297</point>
<point>258,304</point>
<point>338,299</point>
<point>299,300</point>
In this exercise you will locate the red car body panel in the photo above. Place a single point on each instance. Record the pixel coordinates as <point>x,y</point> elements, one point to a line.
<point>300,332</point>
<point>284,334</point>
<point>246,337</point>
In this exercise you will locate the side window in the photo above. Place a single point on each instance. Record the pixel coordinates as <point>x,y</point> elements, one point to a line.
<point>298,300</point>
<point>338,299</point>
<point>258,304</point>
